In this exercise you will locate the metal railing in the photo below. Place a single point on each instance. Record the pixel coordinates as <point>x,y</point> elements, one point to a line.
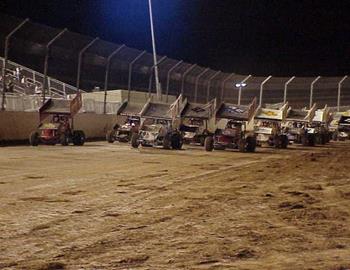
<point>28,81</point>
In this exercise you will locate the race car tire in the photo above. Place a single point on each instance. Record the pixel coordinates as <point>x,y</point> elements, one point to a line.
<point>34,138</point>
<point>209,143</point>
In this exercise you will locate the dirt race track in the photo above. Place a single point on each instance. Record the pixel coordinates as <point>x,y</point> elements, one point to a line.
<point>104,206</point>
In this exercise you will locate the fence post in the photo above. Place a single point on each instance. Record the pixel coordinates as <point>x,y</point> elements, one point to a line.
<point>312,90</point>
<point>82,51</point>
<point>151,74</point>
<point>46,63</point>
<point>184,76</point>
<point>196,83</point>
<point>168,78</point>
<point>130,71</point>
<point>7,45</point>
<point>262,89</point>
<point>49,85</point>
<point>108,65</point>
<point>209,83</point>
<point>240,88</point>
<point>339,91</point>
<point>286,88</point>
<point>223,85</point>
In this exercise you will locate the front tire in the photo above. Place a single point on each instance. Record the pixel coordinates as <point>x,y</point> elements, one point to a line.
<point>251,144</point>
<point>110,136</point>
<point>135,140</point>
<point>209,143</point>
<point>284,141</point>
<point>242,145</point>
<point>176,141</point>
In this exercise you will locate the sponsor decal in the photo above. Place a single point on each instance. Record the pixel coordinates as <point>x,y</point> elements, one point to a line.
<point>270,113</point>
<point>234,109</point>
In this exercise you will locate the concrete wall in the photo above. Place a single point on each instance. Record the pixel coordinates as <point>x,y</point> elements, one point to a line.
<point>121,95</point>
<point>16,126</point>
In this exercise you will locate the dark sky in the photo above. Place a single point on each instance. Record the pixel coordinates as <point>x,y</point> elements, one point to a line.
<point>244,36</point>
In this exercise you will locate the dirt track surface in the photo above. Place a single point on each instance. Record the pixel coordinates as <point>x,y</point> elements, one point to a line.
<point>104,206</point>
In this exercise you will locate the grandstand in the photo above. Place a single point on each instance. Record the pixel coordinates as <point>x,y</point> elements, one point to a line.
<point>131,69</point>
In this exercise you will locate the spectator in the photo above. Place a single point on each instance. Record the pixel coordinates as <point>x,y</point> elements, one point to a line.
<point>18,72</point>
<point>37,91</point>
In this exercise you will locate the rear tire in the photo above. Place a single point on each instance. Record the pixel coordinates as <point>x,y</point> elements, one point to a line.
<point>78,137</point>
<point>34,138</point>
<point>110,136</point>
<point>134,140</point>
<point>209,143</point>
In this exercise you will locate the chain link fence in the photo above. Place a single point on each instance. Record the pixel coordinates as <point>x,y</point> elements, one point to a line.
<point>106,65</point>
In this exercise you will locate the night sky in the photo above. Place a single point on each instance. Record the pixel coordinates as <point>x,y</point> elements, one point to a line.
<point>248,36</point>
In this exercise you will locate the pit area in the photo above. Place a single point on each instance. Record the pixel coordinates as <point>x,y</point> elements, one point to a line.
<point>108,206</point>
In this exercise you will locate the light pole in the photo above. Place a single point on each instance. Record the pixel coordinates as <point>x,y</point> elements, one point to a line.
<point>159,91</point>
<point>240,86</point>
<point>151,75</point>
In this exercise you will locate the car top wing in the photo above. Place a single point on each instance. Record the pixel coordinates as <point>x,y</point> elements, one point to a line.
<point>301,115</point>
<point>322,115</point>
<point>130,109</point>
<point>61,106</point>
<point>198,110</point>
<point>236,112</point>
<point>273,113</point>
<point>156,110</point>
